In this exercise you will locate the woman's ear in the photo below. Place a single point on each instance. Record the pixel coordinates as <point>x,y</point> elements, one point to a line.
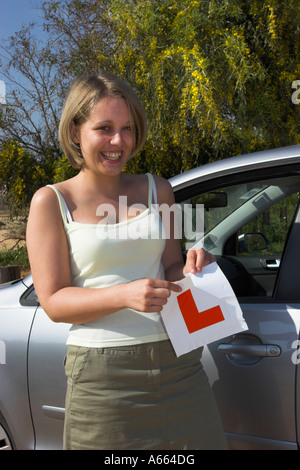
<point>75,134</point>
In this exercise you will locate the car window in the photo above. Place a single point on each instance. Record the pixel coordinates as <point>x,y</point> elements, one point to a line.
<point>266,233</point>
<point>218,205</point>
<point>245,226</point>
<point>29,298</point>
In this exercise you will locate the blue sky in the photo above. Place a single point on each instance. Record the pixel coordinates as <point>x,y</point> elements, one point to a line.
<point>15,13</point>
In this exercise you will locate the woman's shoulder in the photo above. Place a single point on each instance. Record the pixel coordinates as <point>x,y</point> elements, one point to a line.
<point>43,196</point>
<point>163,187</point>
<point>143,179</point>
<point>46,199</point>
<point>48,193</point>
<point>162,182</point>
<point>164,190</point>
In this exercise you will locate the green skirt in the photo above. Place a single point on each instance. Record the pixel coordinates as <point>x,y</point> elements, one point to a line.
<point>139,397</point>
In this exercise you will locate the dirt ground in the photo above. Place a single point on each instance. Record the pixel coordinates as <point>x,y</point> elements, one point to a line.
<point>12,232</point>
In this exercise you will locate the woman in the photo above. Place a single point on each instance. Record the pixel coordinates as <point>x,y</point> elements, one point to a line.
<point>126,388</point>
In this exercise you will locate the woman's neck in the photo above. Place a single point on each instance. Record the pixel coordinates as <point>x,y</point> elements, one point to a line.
<point>108,185</point>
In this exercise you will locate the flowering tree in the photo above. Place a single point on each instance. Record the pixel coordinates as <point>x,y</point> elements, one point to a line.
<point>215,78</point>
<point>20,176</point>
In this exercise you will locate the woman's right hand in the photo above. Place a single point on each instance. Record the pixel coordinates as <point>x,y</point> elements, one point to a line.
<point>149,295</point>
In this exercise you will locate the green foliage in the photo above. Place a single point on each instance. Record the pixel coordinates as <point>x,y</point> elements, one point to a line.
<point>63,170</point>
<point>16,256</point>
<point>274,223</point>
<point>215,76</point>
<point>20,175</point>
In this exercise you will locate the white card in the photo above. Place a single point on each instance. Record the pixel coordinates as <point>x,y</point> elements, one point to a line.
<point>206,310</point>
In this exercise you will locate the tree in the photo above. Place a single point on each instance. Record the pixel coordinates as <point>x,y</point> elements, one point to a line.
<point>20,176</point>
<point>81,33</point>
<point>215,76</point>
<point>31,113</point>
<point>39,75</point>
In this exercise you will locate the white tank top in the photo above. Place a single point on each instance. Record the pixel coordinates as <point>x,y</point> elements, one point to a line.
<point>107,255</point>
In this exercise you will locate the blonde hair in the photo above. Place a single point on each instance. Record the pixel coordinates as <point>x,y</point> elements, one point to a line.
<point>84,94</point>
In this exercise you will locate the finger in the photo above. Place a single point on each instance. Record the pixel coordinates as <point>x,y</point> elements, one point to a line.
<point>202,259</point>
<point>163,284</point>
<point>174,287</point>
<point>191,261</point>
<point>206,258</point>
<point>198,259</point>
<point>159,301</point>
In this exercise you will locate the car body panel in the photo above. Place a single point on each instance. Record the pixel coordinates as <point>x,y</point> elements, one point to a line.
<point>47,380</point>
<point>16,322</point>
<point>248,389</point>
<point>235,165</point>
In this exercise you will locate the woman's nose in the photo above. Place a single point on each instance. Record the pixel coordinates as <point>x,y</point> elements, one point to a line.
<point>116,138</point>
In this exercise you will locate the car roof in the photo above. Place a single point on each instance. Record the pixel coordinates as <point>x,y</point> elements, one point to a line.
<point>264,158</point>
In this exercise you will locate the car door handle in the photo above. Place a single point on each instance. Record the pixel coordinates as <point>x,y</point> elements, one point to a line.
<point>262,350</point>
<point>54,412</point>
<point>270,263</point>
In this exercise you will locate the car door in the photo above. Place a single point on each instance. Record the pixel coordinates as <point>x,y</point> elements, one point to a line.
<point>16,319</point>
<point>253,374</point>
<point>46,378</point>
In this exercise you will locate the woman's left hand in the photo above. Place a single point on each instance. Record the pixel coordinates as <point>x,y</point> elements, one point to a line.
<point>196,260</point>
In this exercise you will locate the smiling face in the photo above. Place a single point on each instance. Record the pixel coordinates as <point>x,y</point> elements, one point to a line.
<point>106,137</point>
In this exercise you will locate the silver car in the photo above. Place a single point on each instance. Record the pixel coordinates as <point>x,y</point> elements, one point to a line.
<point>252,225</point>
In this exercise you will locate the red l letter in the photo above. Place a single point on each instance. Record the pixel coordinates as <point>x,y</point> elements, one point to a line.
<point>194,319</point>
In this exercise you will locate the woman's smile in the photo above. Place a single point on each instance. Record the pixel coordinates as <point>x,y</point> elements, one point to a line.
<point>111,156</point>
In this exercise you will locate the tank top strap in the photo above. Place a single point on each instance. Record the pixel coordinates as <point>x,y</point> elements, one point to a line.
<point>152,194</point>
<point>62,204</point>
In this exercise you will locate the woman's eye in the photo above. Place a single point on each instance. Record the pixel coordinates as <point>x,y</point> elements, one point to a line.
<point>111,130</point>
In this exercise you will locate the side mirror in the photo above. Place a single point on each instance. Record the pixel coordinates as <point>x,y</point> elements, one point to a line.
<point>252,242</point>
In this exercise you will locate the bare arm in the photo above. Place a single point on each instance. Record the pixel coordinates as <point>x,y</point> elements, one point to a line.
<point>50,264</point>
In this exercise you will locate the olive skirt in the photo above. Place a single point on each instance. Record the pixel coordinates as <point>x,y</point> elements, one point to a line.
<point>139,397</point>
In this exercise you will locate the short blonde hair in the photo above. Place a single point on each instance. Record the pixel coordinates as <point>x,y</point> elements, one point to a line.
<point>84,94</point>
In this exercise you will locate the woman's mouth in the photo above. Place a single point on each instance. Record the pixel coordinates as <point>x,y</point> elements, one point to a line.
<point>111,155</point>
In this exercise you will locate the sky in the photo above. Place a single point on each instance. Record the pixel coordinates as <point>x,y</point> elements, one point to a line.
<point>13,15</point>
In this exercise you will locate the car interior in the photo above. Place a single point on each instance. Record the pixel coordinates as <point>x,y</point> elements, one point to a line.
<point>245,226</point>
